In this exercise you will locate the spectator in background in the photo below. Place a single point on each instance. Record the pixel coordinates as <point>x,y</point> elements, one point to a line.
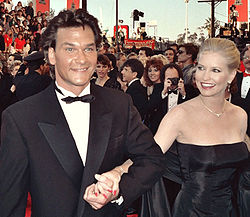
<point>187,55</point>
<point>132,71</point>
<point>102,70</point>
<point>2,43</point>
<point>19,43</point>
<point>121,58</point>
<point>20,16</point>
<point>112,50</point>
<point>113,72</point>
<point>8,5</point>
<point>144,54</point>
<point>32,82</point>
<point>132,55</point>
<point>243,83</point>
<point>171,55</point>
<point>152,77</point>
<point>29,10</point>
<point>8,39</point>
<point>19,6</point>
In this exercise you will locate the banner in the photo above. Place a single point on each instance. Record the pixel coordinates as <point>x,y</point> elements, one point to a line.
<point>122,31</point>
<point>41,5</point>
<point>241,7</point>
<point>139,43</point>
<point>72,4</point>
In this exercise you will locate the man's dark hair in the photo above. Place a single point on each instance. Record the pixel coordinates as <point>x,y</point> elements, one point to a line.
<point>191,49</point>
<point>170,65</point>
<point>67,19</point>
<point>148,51</point>
<point>242,53</point>
<point>136,66</point>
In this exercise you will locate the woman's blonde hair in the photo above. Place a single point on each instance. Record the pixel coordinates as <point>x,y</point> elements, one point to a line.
<point>225,47</point>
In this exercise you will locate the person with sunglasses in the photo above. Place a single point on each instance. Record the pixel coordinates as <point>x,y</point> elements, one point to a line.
<point>186,55</point>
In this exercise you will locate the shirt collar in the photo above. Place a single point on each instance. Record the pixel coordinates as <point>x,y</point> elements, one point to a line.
<point>65,92</point>
<point>135,79</point>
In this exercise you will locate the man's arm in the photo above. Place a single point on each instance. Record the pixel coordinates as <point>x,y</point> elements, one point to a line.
<point>13,170</point>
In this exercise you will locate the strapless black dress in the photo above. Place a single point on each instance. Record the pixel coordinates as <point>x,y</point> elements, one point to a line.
<point>209,174</point>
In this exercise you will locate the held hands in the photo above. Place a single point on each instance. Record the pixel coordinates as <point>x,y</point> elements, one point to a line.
<point>105,190</point>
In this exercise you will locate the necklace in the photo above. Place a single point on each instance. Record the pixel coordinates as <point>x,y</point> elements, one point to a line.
<point>211,111</point>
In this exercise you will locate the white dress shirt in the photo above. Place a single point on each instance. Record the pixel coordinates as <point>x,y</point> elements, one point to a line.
<point>172,99</point>
<point>77,115</point>
<point>245,85</point>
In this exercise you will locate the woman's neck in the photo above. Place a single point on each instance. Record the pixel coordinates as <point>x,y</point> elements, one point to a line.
<point>101,81</point>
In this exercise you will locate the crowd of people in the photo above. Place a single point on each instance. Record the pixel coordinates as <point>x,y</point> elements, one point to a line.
<point>20,28</point>
<point>194,100</point>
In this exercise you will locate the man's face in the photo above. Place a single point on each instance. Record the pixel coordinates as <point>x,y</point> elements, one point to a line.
<point>171,73</point>
<point>142,54</point>
<point>127,74</point>
<point>182,55</point>
<point>170,55</point>
<point>74,57</point>
<point>246,60</point>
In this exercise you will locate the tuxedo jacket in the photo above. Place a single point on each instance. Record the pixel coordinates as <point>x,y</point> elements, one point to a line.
<point>138,94</point>
<point>38,155</point>
<point>244,103</point>
<point>158,107</point>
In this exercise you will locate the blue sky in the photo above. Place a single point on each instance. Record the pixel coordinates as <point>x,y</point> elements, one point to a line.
<point>169,14</point>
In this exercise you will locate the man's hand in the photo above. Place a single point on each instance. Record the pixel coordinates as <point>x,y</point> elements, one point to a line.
<point>181,87</point>
<point>101,193</point>
<point>167,84</point>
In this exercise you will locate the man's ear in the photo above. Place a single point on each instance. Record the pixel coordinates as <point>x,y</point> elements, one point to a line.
<point>134,74</point>
<point>189,55</point>
<point>51,56</point>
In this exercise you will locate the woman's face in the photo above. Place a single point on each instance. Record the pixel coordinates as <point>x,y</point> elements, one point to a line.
<point>15,70</point>
<point>102,70</point>
<point>212,75</point>
<point>154,74</point>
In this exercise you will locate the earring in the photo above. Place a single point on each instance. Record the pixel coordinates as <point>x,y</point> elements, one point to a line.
<point>228,86</point>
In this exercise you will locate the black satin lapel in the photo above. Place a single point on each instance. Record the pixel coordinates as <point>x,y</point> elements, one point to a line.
<point>63,145</point>
<point>99,133</point>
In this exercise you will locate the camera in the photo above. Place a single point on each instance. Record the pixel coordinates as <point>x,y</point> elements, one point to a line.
<point>174,81</point>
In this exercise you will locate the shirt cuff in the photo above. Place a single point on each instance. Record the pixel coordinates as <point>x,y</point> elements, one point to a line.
<point>163,96</point>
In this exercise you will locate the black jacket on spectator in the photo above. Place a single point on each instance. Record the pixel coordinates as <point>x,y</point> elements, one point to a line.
<point>139,96</point>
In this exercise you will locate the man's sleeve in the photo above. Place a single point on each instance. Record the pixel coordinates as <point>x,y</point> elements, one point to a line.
<point>13,170</point>
<point>147,159</point>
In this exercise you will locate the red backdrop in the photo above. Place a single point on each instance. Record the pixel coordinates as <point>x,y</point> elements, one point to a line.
<point>69,4</point>
<point>242,9</point>
<point>42,5</point>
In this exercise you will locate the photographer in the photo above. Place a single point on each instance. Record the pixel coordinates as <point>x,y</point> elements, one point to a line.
<point>174,89</point>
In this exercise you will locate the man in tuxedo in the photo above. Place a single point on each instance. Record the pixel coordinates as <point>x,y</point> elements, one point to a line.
<point>53,143</point>
<point>243,83</point>
<point>132,72</point>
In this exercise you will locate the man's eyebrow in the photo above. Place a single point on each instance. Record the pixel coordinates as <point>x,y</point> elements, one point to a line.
<point>72,44</point>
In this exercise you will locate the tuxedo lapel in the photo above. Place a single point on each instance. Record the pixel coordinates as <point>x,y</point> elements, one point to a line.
<point>99,134</point>
<point>57,133</point>
<point>239,81</point>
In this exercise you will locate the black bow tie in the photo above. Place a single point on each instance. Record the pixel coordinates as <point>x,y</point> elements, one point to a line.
<point>86,98</point>
<point>173,91</point>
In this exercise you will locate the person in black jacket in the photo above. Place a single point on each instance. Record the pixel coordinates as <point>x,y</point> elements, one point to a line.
<point>132,71</point>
